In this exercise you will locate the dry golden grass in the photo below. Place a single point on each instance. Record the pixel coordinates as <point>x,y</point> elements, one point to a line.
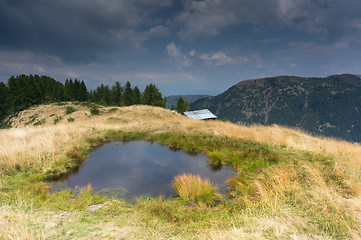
<point>193,188</point>
<point>31,146</point>
<point>14,224</point>
<point>25,146</point>
<point>146,118</point>
<point>283,180</point>
<point>29,143</point>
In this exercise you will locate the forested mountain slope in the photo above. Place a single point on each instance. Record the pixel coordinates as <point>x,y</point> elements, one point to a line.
<point>328,106</point>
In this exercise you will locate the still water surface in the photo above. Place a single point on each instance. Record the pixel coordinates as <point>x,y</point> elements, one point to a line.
<point>133,169</point>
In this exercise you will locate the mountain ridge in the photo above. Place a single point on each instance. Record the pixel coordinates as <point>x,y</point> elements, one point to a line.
<point>328,106</point>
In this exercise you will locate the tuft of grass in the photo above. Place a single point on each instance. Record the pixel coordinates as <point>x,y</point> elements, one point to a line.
<point>195,189</point>
<point>70,119</point>
<point>70,109</point>
<point>57,119</point>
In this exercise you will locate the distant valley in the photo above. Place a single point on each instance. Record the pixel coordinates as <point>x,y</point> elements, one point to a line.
<point>329,106</point>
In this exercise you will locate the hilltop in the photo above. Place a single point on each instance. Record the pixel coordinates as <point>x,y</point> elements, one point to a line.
<point>323,106</point>
<point>286,184</point>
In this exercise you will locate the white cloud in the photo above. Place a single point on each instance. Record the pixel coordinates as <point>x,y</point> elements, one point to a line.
<point>158,30</point>
<point>40,69</point>
<point>355,24</point>
<point>173,51</point>
<point>192,53</point>
<point>218,58</point>
<point>203,18</point>
<point>176,55</point>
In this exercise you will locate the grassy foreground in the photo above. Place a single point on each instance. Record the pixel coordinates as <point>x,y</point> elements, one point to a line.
<point>287,184</point>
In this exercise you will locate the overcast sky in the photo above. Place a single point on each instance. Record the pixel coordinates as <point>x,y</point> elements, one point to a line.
<point>184,47</point>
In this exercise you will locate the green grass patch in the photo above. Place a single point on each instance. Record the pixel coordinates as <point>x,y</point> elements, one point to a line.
<point>70,109</point>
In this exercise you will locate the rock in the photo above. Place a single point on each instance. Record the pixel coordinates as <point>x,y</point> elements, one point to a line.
<point>61,215</point>
<point>93,208</point>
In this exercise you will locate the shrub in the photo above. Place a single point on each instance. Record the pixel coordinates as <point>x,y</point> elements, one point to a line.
<point>70,110</point>
<point>59,104</point>
<point>71,119</point>
<point>94,110</point>
<point>4,126</point>
<point>194,189</point>
<point>57,119</point>
<point>112,110</point>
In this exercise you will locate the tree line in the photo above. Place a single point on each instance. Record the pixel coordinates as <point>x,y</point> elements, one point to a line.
<point>118,95</point>
<point>23,91</point>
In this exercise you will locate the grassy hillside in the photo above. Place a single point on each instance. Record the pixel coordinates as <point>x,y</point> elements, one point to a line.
<point>323,106</point>
<point>287,184</point>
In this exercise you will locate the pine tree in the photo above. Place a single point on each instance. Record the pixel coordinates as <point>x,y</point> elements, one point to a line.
<point>152,96</point>
<point>116,94</point>
<point>4,97</point>
<point>103,95</point>
<point>83,92</point>
<point>72,92</point>
<point>67,92</point>
<point>182,106</point>
<point>136,95</point>
<point>58,93</point>
<point>128,94</point>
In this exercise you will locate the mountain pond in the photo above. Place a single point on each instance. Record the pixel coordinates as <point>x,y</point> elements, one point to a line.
<point>139,168</point>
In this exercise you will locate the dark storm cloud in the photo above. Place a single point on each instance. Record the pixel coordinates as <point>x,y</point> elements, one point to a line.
<point>76,30</point>
<point>179,44</point>
<point>95,30</point>
<point>329,18</point>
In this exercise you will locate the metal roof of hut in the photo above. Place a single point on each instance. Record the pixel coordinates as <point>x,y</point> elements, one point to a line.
<point>203,114</point>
